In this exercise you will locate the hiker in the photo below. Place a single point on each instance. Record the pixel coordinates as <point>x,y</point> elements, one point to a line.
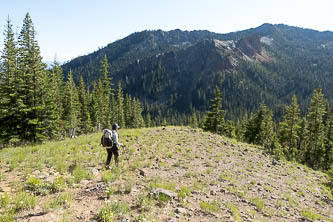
<point>112,146</point>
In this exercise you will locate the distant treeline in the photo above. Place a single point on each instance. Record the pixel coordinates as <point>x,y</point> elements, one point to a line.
<point>306,139</point>
<point>37,104</point>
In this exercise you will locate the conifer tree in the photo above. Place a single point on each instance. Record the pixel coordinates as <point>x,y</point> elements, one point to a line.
<point>260,127</point>
<point>71,106</point>
<point>106,84</point>
<point>93,107</point>
<point>194,120</point>
<point>128,111</point>
<point>304,141</point>
<point>289,130</point>
<point>137,110</point>
<point>328,162</point>
<point>84,115</point>
<point>148,120</point>
<point>316,136</point>
<point>214,121</point>
<point>33,72</point>
<point>11,85</point>
<point>57,85</point>
<point>120,118</point>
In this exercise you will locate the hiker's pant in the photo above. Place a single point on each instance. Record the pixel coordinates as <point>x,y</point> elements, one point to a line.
<point>114,151</point>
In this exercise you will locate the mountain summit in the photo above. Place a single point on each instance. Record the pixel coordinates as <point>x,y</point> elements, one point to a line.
<point>177,71</point>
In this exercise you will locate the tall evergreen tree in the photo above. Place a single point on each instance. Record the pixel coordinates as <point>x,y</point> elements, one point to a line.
<point>328,161</point>
<point>84,115</point>
<point>71,107</point>
<point>214,120</point>
<point>11,85</point>
<point>148,120</point>
<point>289,130</point>
<point>106,84</point>
<point>120,118</point>
<point>33,72</point>
<point>93,107</point>
<point>57,85</point>
<point>316,136</point>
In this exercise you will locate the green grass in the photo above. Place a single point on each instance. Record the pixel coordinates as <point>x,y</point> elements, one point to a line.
<point>234,210</point>
<point>309,214</point>
<point>61,200</point>
<point>211,206</point>
<point>157,183</point>
<point>4,200</point>
<point>258,202</point>
<point>23,201</point>
<point>107,176</point>
<point>79,173</point>
<point>111,210</point>
<point>184,192</point>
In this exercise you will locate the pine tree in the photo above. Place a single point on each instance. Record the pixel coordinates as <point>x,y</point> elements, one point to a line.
<point>33,72</point>
<point>316,147</point>
<point>194,120</point>
<point>71,106</point>
<point>120,118</point>
<point>260,128</point>
<point>137,110</point>
<point>267,135</point>
<point>11,85</point>
<point>289,130</point>
<point>106,84</point>
<point>84,115</point>
<point>128,111</point>
<point>148,120</point>
<point>57,85</point>
<point>93,107</point>
<point>328,161</point>
<point>214,121</point>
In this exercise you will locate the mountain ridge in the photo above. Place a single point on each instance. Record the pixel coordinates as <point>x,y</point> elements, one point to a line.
<point>271,61</point>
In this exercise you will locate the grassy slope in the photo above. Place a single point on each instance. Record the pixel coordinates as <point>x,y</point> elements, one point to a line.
<point>215,178</point>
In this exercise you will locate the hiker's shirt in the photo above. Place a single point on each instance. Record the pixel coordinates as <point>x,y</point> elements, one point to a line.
<point>115,138</point>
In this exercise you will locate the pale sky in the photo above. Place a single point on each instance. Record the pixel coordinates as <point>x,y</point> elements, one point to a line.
<point>70,28</point>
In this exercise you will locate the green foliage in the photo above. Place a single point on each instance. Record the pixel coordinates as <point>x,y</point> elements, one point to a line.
<point>258,202</point>
<point>235,212</point>
<point>145,202</point>
<point>4,200</point>
<point>212,206</point>
<point>214,121</point>
<point>23,201</point>
<point>110,211</point>
<point>315,149</point>
<point>109,191</point>
<point>36,185</point>
<point>184,192</point>
<point>309,214</point>
<point>107,176</point>
<point>79,173</point>
<point>62,200</point>
<point>289,132</point>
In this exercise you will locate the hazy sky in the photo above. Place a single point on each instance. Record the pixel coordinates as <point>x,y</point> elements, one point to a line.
<point>70,28</point>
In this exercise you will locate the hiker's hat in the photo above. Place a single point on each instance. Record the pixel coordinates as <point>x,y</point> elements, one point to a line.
<point>115,126</point>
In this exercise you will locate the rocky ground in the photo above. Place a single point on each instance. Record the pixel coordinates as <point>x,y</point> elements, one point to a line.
<point>165,174</point>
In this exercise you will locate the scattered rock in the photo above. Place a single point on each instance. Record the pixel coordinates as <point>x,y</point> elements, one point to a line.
<point>84,182</point>
<point>213,192</point>
<point>94,171</point>
<point>180,210</point>
<point>158,191</point>
<point>142,173</point>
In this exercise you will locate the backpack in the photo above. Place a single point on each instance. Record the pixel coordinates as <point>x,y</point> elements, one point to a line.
<point>106,139</point>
